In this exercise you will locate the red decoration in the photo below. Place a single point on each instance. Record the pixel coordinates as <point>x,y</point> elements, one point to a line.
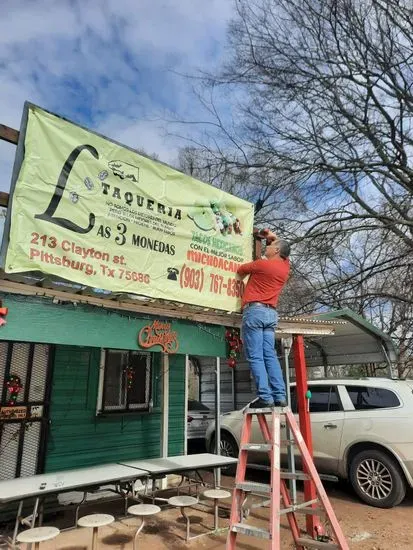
<point>130,375</point>
<point>14,386</point>
<point>234,346</point>
<point>3,312</point>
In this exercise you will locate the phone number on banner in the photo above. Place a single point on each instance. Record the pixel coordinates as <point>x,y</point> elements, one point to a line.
<point>194,278</point>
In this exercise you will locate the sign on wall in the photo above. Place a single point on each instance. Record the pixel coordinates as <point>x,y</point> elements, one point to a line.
<point>13,412</point>
<point>95,212</point>
<point>161,334</point>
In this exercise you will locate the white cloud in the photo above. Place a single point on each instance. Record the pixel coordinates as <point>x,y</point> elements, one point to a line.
<point>108,64</point>
<point>140,134</point>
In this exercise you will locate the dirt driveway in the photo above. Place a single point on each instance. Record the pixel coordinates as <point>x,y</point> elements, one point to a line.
<point>366,528</point>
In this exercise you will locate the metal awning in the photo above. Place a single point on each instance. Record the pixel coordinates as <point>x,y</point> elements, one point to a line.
<point>354,341</point>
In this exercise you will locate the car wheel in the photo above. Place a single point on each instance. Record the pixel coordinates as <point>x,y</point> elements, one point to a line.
<point>377,479</point>
<point>228,447</point>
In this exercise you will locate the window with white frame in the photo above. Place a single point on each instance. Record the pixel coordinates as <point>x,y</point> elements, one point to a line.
<point>125,381</point>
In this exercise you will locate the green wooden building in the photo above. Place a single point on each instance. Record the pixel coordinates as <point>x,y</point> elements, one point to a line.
<point>92,392</point>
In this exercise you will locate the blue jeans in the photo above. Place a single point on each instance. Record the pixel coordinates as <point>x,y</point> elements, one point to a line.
<point>258,336</point>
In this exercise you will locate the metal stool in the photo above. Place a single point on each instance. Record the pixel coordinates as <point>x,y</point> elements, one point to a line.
<point>216,495</point>
<point>141,511</point>
<point>95,521</point>
<point>182,502</point>
<point>38,535</point>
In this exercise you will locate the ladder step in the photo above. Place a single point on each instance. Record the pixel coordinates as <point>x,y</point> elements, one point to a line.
<point>258,411</point>
<point>252,487</point>
<point>250,530</point>
<point>311,543</point>
<point>278,410</point>
<point>310,511</point>
<point>256,447</point>
<point>303,506</point>
<point>296,475</point>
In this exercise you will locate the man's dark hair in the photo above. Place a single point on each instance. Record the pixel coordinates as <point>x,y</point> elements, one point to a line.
<point>285,249</point>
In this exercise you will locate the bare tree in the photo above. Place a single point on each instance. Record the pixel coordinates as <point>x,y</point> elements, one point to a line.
<point>322,134</point>
<point>329,83</point>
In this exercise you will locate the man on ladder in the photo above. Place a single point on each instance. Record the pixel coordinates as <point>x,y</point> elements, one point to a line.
<point>267,277</point>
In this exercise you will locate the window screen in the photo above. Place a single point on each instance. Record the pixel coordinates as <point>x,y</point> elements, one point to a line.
<point>126,381</point>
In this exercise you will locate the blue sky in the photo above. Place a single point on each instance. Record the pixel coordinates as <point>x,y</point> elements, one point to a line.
<point>112,65</point>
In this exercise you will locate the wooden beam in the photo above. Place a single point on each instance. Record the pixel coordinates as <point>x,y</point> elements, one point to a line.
<point>9,134</point>
<point>285,327</point>
<point>4,199</point>
<point>257,248</point>
<point>229,320</point>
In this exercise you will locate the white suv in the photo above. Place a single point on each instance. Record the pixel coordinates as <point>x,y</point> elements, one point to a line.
<point>362,431</point>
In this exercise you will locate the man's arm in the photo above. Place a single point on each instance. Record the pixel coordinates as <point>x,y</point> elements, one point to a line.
<point>247,269</point>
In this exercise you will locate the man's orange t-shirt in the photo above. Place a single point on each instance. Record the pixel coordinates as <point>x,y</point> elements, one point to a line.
<point>267,278</point>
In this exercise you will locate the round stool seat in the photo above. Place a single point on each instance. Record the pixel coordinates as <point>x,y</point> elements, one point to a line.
<point>95,520</point>
<point>181,501</point>
<point>216,494</point>
<point>143,509</point>
<point>38,534</point>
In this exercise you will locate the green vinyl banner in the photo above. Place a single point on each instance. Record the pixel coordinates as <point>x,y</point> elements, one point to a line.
<point>97,213</point>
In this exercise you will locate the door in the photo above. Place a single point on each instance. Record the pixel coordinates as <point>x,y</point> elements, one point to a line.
<point>327,421</point>
<point>23,420</point>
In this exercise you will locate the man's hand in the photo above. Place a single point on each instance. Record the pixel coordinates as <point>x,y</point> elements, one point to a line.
<point>268,235</point>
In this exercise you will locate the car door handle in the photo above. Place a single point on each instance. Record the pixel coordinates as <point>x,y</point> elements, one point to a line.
<point>330,426</point>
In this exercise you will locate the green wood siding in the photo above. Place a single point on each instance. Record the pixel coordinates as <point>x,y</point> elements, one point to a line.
<point>79,438</point>
<point>33,319</point>
<point>177,417</point>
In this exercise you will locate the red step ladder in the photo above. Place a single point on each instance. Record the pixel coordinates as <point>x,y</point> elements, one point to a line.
<point>278,491</point>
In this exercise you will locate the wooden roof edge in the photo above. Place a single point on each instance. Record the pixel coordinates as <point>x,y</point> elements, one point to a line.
<point>149,308</point>
<point>224,319</point>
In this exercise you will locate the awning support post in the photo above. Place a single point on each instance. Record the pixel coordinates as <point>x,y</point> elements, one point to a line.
<point>286,347</point>
<point>186,404</point>
<point>312,522</point>
<point>165,411</point>
<point>218,417</point>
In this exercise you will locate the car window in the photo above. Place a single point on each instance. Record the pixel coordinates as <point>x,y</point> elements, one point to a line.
<point>323,399</point>
<point>196,406</point>
<point>364,398</point>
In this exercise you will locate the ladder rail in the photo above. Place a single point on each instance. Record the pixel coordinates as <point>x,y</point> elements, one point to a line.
<point>292,520</point>
<point>311,469</point>
<point>236,507</point>
<point>278,491</point>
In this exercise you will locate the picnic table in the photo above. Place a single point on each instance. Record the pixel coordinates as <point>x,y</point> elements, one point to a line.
<point>39,486</point>
<point>126,473</point>
<point>183,463</point>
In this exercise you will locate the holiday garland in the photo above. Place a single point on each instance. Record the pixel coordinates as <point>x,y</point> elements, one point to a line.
<point>234,345</point>
<point>130,375</point>
<point>14,386</point>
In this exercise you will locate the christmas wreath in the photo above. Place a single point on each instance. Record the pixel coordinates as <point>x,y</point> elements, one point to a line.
<point>14,386</point>
<point>234,345</point>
